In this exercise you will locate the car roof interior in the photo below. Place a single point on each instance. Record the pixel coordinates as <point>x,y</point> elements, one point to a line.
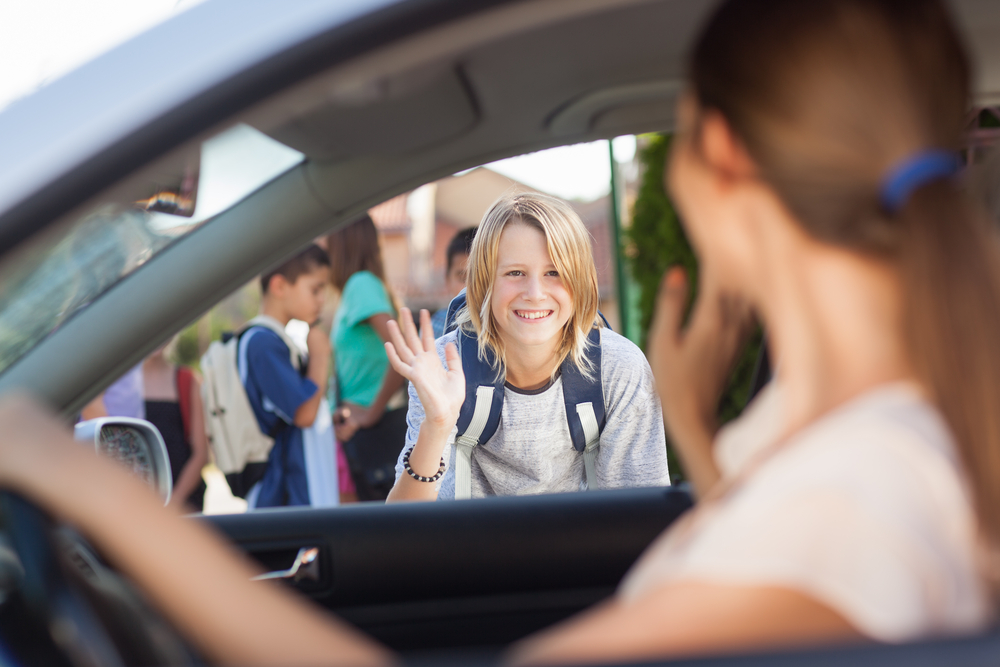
<point>514,78</point>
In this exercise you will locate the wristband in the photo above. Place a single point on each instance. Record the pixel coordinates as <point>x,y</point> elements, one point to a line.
<point>421,478</point>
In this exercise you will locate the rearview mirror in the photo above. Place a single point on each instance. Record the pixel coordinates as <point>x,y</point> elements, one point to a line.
<point>136,444</point>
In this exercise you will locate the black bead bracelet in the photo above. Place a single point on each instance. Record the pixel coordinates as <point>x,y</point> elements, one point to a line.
<point>421,478</point>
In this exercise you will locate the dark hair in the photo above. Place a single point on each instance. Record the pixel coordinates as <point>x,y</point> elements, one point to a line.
<point>828,96</point>
<point>355,247</point>
<point>306,261</point>
<point>352,248</point>
<point>460,244</point>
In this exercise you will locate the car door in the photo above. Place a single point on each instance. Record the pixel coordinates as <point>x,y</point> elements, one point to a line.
<point>472,574</point>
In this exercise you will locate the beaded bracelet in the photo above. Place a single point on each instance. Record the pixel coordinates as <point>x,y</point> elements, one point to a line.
<point>421,478</point>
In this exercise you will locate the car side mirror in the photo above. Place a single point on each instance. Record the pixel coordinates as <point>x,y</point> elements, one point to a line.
<point>136,444</point>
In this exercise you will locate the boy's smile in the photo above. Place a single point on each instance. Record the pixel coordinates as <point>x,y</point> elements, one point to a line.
<point>530,303</point>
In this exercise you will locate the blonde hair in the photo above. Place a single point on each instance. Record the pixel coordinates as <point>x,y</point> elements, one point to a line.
<point>568,243</point>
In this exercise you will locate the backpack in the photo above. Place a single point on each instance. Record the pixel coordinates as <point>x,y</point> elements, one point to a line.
<point>234,436</point>
<point>182,380</point>
<point>484,391</point>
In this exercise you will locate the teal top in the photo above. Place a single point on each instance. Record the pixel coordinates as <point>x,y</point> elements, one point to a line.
<point>358,350</point>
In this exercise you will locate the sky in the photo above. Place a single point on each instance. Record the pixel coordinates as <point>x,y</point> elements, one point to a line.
<point>41,40</point>
<point>44,39</point>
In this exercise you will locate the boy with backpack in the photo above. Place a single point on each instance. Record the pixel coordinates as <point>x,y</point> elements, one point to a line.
<point>456,269</point>
<point>284,392</point>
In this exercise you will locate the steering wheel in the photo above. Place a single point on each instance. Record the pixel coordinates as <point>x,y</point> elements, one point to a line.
<point>46,590</point>
<point>85,623</point>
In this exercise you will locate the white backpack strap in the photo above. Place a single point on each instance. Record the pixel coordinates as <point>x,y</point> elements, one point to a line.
<point>241,355</point>
<point>593,433</point>
<point>468,441</point>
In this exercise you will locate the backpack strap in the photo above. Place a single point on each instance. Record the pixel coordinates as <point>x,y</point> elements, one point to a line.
<point>585,413</point>
<point>480,414</point>
<point>242,367</point>
<point>183,379</point>
<point>453,308</point>
<point>484,391</point>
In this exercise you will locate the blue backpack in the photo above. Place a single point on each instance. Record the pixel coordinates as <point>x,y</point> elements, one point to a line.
<point>484,391</point>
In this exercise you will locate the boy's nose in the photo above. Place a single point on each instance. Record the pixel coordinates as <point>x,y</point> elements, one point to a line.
<point>533,290</point>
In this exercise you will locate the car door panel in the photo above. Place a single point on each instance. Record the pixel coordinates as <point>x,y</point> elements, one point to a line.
<point>473,573</point>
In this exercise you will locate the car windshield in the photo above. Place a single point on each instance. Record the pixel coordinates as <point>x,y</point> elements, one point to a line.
<point>54,276</point>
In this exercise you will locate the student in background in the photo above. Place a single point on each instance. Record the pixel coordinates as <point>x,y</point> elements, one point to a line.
<point>457,269</point>
<point>173,405</point>
<point>286,399</point>
<point>371,419</point>
<point>122,399</point>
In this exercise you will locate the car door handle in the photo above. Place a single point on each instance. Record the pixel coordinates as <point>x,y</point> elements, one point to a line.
<point>305,566</point>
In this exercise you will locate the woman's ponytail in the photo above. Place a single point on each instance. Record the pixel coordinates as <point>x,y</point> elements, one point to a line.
<point>950,266</point>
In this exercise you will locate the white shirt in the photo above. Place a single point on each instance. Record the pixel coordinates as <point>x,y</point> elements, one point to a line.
<point>865,510</point>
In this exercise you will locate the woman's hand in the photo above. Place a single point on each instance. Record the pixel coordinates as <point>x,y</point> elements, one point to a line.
<point>353,420</point>
<point>365,417</point>
<point>692,365</point>
<point>344,424</point>
<point>441,390</point>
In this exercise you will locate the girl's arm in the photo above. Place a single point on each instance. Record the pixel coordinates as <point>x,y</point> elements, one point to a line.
<point>441,392</point>
<point>198,581</point>
<point>318,345</point>
<point>685,619</point>
<point>391,381</point>
<point>190,475</point>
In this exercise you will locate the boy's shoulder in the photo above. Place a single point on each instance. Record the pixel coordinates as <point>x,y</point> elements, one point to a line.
<point>263,343</point>
<point>618,348</point>
<point>622,362</point>
<point>261,336</point>
<point>439,343</point>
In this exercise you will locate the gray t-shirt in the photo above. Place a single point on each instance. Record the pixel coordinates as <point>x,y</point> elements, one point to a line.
<point>532,452</point>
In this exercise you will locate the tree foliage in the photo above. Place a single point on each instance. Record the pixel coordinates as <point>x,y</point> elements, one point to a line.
<point>655,241</point>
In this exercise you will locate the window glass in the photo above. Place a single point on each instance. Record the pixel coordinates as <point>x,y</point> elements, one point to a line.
<point>415,230</point>
<point>56,275</point>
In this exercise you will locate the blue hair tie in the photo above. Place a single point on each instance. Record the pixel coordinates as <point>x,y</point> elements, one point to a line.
<point>914,173</point>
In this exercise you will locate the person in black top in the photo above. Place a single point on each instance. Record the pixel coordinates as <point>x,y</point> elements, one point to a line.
<point>173,405</point>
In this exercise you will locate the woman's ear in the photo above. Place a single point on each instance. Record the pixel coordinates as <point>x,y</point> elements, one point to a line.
<point>721,149</point>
